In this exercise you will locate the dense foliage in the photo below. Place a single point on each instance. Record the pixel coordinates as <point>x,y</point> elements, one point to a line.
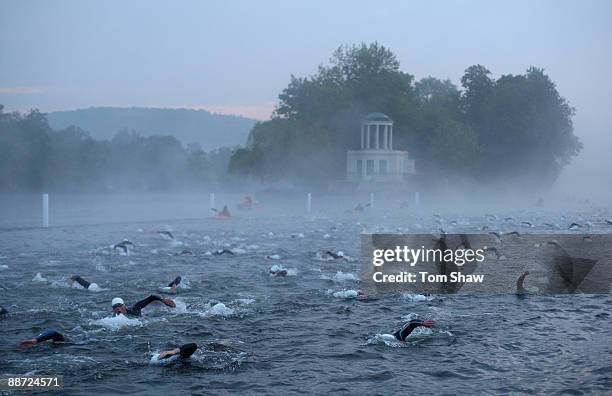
<point>515,127</point>
<point>34,157</point>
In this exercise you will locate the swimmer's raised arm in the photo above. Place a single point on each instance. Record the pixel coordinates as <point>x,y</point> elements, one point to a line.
<point>167,354</point>
<point>46,335</point>
<point>143,303</point>
<point>80,281</point>
<point>409,327</point>
<point>185,351</point>
<point>174,284</point>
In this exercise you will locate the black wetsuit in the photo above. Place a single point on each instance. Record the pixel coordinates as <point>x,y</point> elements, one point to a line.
<point>224,251</point>
<point>136,309</point>
<point>333,255</point>
<point>49,335</point>
<point>81,281</point>
<point>408,328</point>
<point>175,282</point>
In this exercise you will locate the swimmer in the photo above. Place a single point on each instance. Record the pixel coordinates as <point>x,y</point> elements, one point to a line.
<point>409,327</point>
<point>124,246</point>
<point>183,352</point>
<point>220,252</point>
<point>166,234</point>
<point>278,270</point>
<point>225,213</point>
<point>82,282</point>
<point>520,283</point>
<point>119,307</point>
<point>358,208</point>
<point>335,256</point>
<point>46,335</point>
<point>3,310</point>
<point>174,284</point>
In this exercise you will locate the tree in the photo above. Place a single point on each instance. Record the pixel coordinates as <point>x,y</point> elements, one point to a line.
<point>523,124</point>
<point>455,149</point>
<point>34,157</point>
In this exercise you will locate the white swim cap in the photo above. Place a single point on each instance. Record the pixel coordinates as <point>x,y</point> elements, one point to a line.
<point>117,300</point>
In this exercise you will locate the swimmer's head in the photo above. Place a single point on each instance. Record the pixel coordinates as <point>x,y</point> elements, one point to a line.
<point>118,306</point>
<point>187,350</point>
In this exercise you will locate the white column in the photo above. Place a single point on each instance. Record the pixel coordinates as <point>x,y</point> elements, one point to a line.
<point>377,136</point>
<point>309,202</point>
<point>386,137</point>
<point>391,138</point>
<point>362,137</point>
<point>367,136</point>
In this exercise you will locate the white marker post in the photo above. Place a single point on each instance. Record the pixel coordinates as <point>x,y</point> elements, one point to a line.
<point>371,200</point>
<point>45,210</point>
<point>309,203</point>
<point>212,201</point>
<point>417,198</point>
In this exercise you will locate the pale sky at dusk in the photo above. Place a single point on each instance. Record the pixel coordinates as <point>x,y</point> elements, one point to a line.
<point>237,56</point>
<point>234,57</point>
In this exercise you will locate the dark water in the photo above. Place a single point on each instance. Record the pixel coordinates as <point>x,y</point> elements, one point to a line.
<point>263,334</point>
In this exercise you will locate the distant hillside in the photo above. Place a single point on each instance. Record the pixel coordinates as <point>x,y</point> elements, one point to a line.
<point>210,130</point>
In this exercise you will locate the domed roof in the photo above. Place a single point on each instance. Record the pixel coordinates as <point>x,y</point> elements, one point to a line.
<point>378,117</point>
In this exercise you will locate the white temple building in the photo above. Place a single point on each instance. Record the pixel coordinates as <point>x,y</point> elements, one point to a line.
<point>376,162</point>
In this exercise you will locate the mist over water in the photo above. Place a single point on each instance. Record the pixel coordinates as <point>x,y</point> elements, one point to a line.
<point>279,334</point>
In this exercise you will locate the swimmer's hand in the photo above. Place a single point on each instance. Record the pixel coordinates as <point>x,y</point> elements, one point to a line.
<point>173,288</point>
<point>25,344</point>
<point>429,323</point>
<point>168,302</point>
<point>167,354</point>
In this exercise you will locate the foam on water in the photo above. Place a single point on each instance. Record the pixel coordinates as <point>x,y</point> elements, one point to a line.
<point>346,294</point>
<point>322,256</point>
<point>385,339</point>
<point>156,361</point>
<point>181,306</point>
<point>116,323</point>
<point>219,309</point>
<point>341,277</point>
<point>93,287</point>
<point>416,297</point>
<point>39,278</point>
<point>245,301</point>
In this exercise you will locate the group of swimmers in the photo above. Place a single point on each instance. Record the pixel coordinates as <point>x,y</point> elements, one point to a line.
<point>185,351</point>
<point>120,308</point>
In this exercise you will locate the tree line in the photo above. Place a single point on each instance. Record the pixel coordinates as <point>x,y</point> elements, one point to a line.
<point>34,157</point>
<point>515,127</point>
